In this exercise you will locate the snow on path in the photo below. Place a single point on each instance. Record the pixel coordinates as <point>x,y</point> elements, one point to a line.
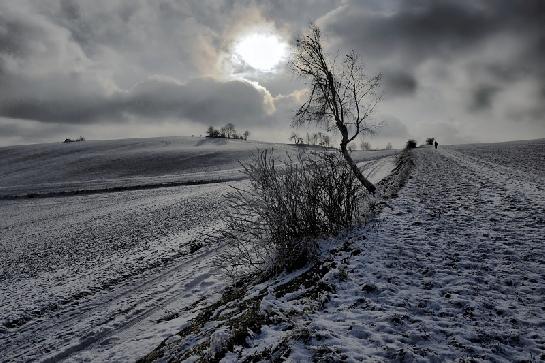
<point>455,270</point>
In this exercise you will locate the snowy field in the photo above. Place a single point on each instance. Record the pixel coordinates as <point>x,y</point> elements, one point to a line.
<point>452,270</point>
<point>137,164</point>
<point>109,273</point>
<point>92,165</point>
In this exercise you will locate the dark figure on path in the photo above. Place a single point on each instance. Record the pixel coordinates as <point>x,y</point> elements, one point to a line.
<point>436,143</point>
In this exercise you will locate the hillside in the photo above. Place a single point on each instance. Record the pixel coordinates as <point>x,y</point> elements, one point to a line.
<point>120,164</point>
<point>105,275</point>
<point>103,164</point>
<point>451,268</point>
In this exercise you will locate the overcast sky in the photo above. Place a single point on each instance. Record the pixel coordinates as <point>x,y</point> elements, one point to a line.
<point>462,71</point>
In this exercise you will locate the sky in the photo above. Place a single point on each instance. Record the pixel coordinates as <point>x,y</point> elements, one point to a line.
<point>462,71</point>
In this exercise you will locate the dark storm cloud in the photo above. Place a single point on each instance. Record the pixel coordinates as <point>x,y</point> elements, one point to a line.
<point>436,28</point>
<point>200,100</point>
<point>403,35</point>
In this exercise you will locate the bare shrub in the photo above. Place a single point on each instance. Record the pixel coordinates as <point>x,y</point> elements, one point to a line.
<point>273,225</point>
<point>411,144</point>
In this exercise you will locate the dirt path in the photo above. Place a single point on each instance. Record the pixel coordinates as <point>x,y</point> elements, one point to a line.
<point>455,270</point>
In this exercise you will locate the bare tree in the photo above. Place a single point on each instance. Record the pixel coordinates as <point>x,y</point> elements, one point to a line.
<point>341,97</point>
<point>297,140</point>
<point>210,131</point>
<point>365,145</point>
<point>246,134</point>
<point>229,130</point>
<point>324,140</point>
<point>294,137</point>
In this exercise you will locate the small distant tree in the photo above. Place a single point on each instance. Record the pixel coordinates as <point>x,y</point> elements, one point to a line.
<point>365,145</point>
<point>297,140</point>
<point>341,96</point>
<point>293,137</point>
<point>430,140</point>
<point>246,134</point>
<point>388,146</point>
<point>411,144</point>
<point>323,139</point>
<point>309,139</point>
<point>210,132</point>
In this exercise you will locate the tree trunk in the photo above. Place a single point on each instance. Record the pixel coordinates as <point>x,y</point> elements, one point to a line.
<point>366,183</point>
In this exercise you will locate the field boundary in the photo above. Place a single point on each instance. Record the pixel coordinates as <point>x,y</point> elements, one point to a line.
<point>116,189</point>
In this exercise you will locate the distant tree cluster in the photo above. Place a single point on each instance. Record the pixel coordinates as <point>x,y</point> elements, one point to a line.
<point>313,139</point>
<point>430,140</point>
<point>68,140</point>
<point>227,132</point>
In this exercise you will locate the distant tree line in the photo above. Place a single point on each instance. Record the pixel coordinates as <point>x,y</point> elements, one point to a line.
<point>366,146</point>
<point>321,139</point>
<point>227,132</point>
<point>313,139</point>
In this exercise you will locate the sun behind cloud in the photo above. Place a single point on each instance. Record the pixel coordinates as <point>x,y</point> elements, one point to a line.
<point>261,51</point>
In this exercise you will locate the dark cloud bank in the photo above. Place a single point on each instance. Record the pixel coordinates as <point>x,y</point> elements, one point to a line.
<point>464,70</point>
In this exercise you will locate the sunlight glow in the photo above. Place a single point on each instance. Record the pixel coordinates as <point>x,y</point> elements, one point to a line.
<point>260,51</point>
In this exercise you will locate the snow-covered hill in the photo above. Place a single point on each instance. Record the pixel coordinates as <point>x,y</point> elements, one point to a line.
<point>128,164</point>
<point>452,268</point>
<point>108,275</point>
<point>87,165</point>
